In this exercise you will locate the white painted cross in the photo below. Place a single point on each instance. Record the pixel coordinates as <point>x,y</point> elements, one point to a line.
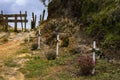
<point>57,46</point>
<point>39,39</point>
<point>94,50</point>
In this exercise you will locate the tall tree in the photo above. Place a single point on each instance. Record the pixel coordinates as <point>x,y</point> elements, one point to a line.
<point>45,2</point>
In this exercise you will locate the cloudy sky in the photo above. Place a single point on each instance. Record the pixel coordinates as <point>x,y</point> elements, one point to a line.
<point>15,6</point>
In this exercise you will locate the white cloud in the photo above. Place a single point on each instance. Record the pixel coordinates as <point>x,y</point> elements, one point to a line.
<point>6,1</point>
<point>14,6</point>
<point>21,2</point>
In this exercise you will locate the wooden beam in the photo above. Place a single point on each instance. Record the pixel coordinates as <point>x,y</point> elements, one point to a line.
<point>10,20</point>
<point>15,24</point>
<point>25,19</point>
<point>21,21</point>
<point>13,15</point>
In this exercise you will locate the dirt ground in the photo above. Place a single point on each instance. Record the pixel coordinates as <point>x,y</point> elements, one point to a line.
<point>9,48</point>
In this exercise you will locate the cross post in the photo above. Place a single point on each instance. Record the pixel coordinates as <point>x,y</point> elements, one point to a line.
<point>94,49</point>
<point>57,46</point>
<point>39,39</point>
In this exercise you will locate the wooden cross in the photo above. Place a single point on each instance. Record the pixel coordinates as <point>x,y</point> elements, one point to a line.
<point>94,49</point>
<point>57,46</point>
<point>39,39</point>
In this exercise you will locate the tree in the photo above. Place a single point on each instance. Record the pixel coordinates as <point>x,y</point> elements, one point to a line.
<point>45,2</point>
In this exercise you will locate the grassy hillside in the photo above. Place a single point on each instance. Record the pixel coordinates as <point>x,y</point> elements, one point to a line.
<point>98,19</point>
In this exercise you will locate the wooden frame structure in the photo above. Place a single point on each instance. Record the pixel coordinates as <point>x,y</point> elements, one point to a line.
<point>15,18</point>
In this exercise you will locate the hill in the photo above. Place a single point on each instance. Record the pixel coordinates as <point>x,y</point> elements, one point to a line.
<point>92,19</point>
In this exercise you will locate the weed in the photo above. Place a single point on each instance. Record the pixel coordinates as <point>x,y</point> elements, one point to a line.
<point>51,55</point>
<point>34,46</point>
<point>10,63</point>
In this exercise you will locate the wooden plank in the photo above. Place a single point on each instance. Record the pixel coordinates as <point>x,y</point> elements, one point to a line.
<point>13,15</point>
<point>15,24</point>
<point>25,18</point>
<point>21,21</point>
<point>10,20</point>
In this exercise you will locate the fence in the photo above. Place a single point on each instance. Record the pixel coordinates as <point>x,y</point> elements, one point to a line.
<point>14,18</point>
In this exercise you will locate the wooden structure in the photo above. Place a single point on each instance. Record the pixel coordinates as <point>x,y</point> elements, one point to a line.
<point>33,21</point>
<point>15,18</point>
<point>41,17</point>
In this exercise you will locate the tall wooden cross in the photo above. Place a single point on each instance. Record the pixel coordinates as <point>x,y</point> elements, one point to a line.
<point>57,46</point>
<point>94,49</point>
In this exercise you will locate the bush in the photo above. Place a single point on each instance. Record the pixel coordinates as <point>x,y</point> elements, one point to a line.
<point>51,55</point>
<point>34,46</point>
<point>86,64</point>
<point>75,51</point>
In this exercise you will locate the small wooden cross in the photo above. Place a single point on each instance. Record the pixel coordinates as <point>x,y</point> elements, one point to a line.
<point>57,46</point>
<point>94,49</point>
<point>39,39</point>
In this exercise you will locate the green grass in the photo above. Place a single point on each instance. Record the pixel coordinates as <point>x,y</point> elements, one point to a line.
<point>10,63</point>
<point>1,78</point>
<point>24,50</point>
<point>64,68</point>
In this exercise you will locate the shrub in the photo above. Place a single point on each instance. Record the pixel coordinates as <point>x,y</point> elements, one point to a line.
<point>34,46</point>
<point>75,51</point>
<point>51,55</point>
<point>86,64</point>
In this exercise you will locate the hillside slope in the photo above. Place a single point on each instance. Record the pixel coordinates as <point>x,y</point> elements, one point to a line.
<point>89,19</point>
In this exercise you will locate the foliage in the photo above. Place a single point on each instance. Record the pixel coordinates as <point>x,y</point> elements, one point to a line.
<point>1,78</point>
<point>51,55</point>
<point>86,64</point>
<point>44,2</point>
<point>75,51</point>
<point>10,63</point>
<point>104,24</point>
<point>5,39</point>
<point>34,46</point>
<point>100,17</point>
<point>25,50</point>
<point>39,68</point>
<point>64,68</point>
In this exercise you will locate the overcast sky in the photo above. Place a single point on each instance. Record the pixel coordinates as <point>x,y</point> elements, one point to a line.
<point>15,6</point>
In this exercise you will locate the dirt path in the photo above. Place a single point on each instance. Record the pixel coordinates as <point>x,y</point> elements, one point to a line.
<point>12,46</point>
<point>7,50</point>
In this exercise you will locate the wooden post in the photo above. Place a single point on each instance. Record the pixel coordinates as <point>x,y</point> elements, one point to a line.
<point>94,47</point>
<point>1,11</point>
<point>33,16</point>
<point>6,25</point>
<point>40,20</point>
<point>21,20</point>
<point>94,50</point>
<point>57,46</point>
<point>43,15</point>
<point>25,19</point>
<point>39,39</point>
<point>15,24</point>
<point>35,20</point>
